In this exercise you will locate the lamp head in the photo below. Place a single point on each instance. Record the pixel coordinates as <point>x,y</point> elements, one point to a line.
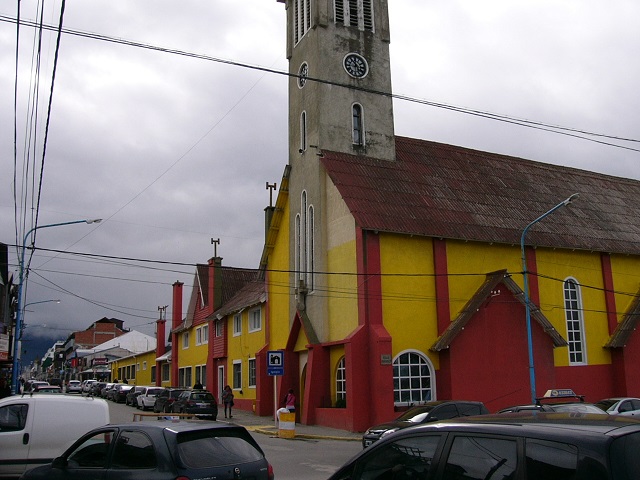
<point>571,199</point>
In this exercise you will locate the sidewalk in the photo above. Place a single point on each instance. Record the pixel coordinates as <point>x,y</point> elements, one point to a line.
<point>267,426</point>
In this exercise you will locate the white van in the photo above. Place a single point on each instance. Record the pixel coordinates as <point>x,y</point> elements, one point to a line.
<point>36,428</point>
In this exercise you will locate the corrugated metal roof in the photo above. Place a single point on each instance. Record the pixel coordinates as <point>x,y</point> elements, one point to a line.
<point>481,295</point>
<point>446,191</point>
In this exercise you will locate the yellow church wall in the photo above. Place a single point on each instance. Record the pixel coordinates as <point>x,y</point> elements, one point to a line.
<point>279,287</point>
<point>556,266</point>
<point>342,291</point>
<point>626,281</point>
<point>408,304</point>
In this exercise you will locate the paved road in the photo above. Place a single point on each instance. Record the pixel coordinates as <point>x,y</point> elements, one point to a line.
<point>292,459</point>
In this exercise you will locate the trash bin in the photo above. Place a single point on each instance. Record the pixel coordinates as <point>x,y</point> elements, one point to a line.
<point>286,423</point>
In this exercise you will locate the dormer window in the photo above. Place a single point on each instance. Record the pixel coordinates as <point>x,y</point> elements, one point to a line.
<point>354,13</point>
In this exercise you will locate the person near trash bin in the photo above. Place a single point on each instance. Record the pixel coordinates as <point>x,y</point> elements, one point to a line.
<point>227,400</point>
<point>290,401</point>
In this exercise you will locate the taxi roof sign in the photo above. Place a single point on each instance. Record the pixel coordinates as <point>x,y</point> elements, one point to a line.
<point>559,393</point>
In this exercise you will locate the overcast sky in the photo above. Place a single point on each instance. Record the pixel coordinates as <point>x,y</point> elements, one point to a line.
<point>172,150</point>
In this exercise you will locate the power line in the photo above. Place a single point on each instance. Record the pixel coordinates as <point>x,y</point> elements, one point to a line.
<point>560,130</point>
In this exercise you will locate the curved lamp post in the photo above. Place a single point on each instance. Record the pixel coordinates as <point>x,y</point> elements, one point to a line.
<point>15,381</point>
<point>532,372</point>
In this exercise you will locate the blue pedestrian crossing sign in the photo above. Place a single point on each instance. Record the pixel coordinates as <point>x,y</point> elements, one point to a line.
<point>275,363</point>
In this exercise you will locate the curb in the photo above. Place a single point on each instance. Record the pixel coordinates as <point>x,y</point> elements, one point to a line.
<point>272,431</point>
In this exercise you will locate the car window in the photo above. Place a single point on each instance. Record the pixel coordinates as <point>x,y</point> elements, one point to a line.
<point>625,406</point>
<point>134,450</point>
<point>92,452</point>
<point>202,397</point>
<point>444,412</point>
<point>481,458</point>
<point>551,460</point>
<point>635,404</point>
<point>13,417</point>
<point>405,458</point>
<point>214,448</point>
<point>468,409</point>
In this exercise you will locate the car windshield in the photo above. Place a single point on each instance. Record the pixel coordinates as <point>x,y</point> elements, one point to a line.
<point>415,415</point>
<point>214,448</point>
<point>606,404</point>
<point>577,407</point>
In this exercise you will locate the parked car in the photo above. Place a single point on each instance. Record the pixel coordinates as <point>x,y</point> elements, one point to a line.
<point>105,390</point>
<point>74,386</point>
<point>201,403</point>
<point>526,446</point>
<point>96,388</point>
<point>34,429</point>
<point>429,412</point>
<point>30,385</point>
<point>132,395</point>
<point>46,389</point>
<point>620,406</point>
<point>559,400</point>
<point>147,398</point>
<point>119,394</point>
<point>162,450</point>
<point>165,399</point>
<point>56,382</point>
<point>86,384</point>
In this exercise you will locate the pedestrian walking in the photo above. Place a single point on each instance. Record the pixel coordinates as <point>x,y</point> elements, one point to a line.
<point>227,400</point>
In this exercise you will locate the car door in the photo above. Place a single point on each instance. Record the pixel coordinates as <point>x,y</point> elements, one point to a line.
<point>135,457</point>
<point>479,457</point>
<point>16,421</point>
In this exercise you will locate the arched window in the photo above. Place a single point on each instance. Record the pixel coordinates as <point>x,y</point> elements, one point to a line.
<point>303,131</point>
<point>413,379</point>
<point>575,322</point>
<point>310,269</point>
<point>357,124</point>
<point>298,251</point>
<point>341,380</point>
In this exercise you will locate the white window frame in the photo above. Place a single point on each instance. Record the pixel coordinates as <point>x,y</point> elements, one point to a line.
<point>237,324</point>
<point>166,372</point>
<point>357,125</point>
<point>144,365</point>
<point>185,340</point>
<point>302,19</point>
<point>219,328</point>
<point>403,390</point>
<point>303,132</point>
<point>255,325</point>
<point>364,18</point>
<point>202,335</point>
<point>310,248</point>
<point>251,370</point>
<point>341,380</point>
<point>237,363</point>
<point>574,321</point>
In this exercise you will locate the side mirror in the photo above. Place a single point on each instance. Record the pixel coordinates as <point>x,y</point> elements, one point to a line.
<point>59,462</point>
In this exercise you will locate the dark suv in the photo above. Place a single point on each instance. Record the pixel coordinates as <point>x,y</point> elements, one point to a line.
<point>165,399</point>
<point>427,413</point>
<point>201,403</point>
<point>524,446</point>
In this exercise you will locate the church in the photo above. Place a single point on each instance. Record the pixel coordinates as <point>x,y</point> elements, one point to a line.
<point>399,270</point>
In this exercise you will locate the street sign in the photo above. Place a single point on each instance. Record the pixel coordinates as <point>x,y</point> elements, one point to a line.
<point>275,363</point>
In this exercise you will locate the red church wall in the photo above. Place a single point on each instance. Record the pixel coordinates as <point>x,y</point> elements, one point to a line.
<point>497,335</point>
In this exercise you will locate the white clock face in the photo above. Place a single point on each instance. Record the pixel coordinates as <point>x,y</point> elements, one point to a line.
<point>303,72</point>
<point>356,65</point>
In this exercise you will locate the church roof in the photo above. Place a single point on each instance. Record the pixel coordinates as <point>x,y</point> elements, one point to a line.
<point>445,191</point>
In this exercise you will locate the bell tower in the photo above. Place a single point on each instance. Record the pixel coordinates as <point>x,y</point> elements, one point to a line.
<point>340,78</point>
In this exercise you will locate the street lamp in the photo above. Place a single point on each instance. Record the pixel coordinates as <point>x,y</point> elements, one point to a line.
<point>15,381</point>
<point>525,272</point>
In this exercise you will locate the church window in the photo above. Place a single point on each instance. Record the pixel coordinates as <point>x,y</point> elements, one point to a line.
<point>310,248</point>
<point>298,251</point>
<point>413,379</point>
<point>302,18</point>
<point>354,13</point>
<point>341,381</point>
<point>575,322</point>
<point>303,131</point>
<point>357,124</point>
